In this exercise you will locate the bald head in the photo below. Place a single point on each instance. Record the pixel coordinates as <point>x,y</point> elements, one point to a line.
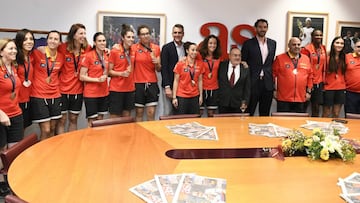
<point>294,45</point>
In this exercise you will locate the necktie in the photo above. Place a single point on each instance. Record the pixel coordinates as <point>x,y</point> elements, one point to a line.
<point>232,77</point>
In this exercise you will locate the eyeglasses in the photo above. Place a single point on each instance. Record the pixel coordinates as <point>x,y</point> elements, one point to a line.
<point>144,34</point>
<point>177,32</point>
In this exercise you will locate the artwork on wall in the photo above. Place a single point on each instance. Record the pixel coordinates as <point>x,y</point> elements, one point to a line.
<point>350,32</point>
<point>40,35</point>
<point>110,24</point>
<point>301,24</point>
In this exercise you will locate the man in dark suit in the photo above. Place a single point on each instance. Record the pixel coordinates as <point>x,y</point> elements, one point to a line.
<point>259,53</point>
<point>170,55</point>
<point>234,84</point>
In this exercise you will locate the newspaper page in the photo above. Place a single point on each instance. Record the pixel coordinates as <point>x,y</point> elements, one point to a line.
<point>194,188</point>
<point>167,185</point>
<point>148,191</point>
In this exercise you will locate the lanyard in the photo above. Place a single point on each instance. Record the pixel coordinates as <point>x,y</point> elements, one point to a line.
<point>147,48</point>
<point>76,63</point>
<point>12,78</point>
<point>192,72</point>
<point>101,61</point>
<point>27,69</point>
<point>318,53</point>
<point>127,56</point>
<point>210,66</point>
<point>49,70</point>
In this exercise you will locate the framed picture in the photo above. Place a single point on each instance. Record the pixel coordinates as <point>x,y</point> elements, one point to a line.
<point>40,35</point>
<point>301,24</point>
<point>110,24</point>
<point>350,32</point>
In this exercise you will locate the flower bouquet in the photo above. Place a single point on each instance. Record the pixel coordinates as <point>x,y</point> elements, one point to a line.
<point>320,145</point>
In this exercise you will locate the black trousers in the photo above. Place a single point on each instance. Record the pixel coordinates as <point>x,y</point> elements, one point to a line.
<point>260,95</point>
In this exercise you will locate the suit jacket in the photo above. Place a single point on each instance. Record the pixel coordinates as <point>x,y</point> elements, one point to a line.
<point>169,58</point>
<point>251,53</point>
<point>232,96</point>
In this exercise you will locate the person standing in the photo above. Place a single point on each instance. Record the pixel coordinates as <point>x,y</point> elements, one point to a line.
<point>352,75</point>
<point>45,95</point>
<point>171,53</point>
<point>292,74</point>
<point>122,86</point>
<point>210,55</point>
<point>234,84</point>
<point>188,85</point>
<point>11,119</point>
<point>259,54</point>
<point>94,72</point>
<point>24,41</point>
<point>71,87</point>
<point>316,52</point>
<point>145,58</point>
<point>348,40</point>
<point>334,81</point>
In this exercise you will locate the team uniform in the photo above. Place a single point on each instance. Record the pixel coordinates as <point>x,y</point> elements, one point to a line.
<point>71,88</point>
<point>292,81</point>
<point>25,73</point>
<point>95,93</point>
<point>334,86</point>
<point>352,75</point>
<point>188,90</point>
<point>45,95</point>
<point>210,83</point>
<point>146,87</point>
<point>122,89</point>
<point>318,64</point>
<point>9,103</point>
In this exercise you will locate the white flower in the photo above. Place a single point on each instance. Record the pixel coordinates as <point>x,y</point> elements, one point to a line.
<point>316,138</point>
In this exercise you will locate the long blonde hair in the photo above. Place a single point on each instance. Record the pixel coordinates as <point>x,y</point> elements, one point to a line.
<point>3,43</point>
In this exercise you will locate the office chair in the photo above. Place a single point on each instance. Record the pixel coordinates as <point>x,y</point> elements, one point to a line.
<point>13,199</point>
<point>180,116</point>
<point>290,114</point>
<point>112,121</point>
<point>231,114</point>
<point>8,156</point>
<point>352,115</point>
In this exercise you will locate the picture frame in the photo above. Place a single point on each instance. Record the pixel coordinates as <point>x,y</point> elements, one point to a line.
<point>40,35</point>
<point>301,24</point>
<point>349,31</point>
<point>110,24</point>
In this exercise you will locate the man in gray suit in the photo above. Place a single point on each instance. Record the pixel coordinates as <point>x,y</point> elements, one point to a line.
<point>170,55</point>
<point>259,53</point>
<point>234,84</point>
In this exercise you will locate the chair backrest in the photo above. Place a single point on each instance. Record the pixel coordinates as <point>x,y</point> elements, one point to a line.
<point>180,116</point>
<point>13,199</point>
<point>8,156</point>
<point>290,114</point>
<point>352,115</point>
<point>231,114</point>
<point>112,121</point>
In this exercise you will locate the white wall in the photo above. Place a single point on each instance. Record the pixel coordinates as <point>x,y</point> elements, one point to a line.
<point>51,14</point>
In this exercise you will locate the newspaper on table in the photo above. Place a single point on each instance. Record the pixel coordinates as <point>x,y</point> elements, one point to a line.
<point>194,130</point>
<point>269,130</point>
<point>148,191</point>
<point>194,188</point>
<point>350,187</point>
<point>167,185</point>
<point>325,126</point>
<point>187,187</point>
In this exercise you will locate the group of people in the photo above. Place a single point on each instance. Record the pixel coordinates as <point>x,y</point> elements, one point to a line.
<point>47,85</point>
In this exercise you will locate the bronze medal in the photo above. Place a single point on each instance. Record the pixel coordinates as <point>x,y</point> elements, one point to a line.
<point>210,75</point>
<point>193,82</point>
<point>48,80</point>
<point>27,83</point>
<point>13,95</point>
<point>317,66</point>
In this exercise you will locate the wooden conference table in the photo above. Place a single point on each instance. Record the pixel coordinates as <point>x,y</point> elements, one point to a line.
<point>101,164</point>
